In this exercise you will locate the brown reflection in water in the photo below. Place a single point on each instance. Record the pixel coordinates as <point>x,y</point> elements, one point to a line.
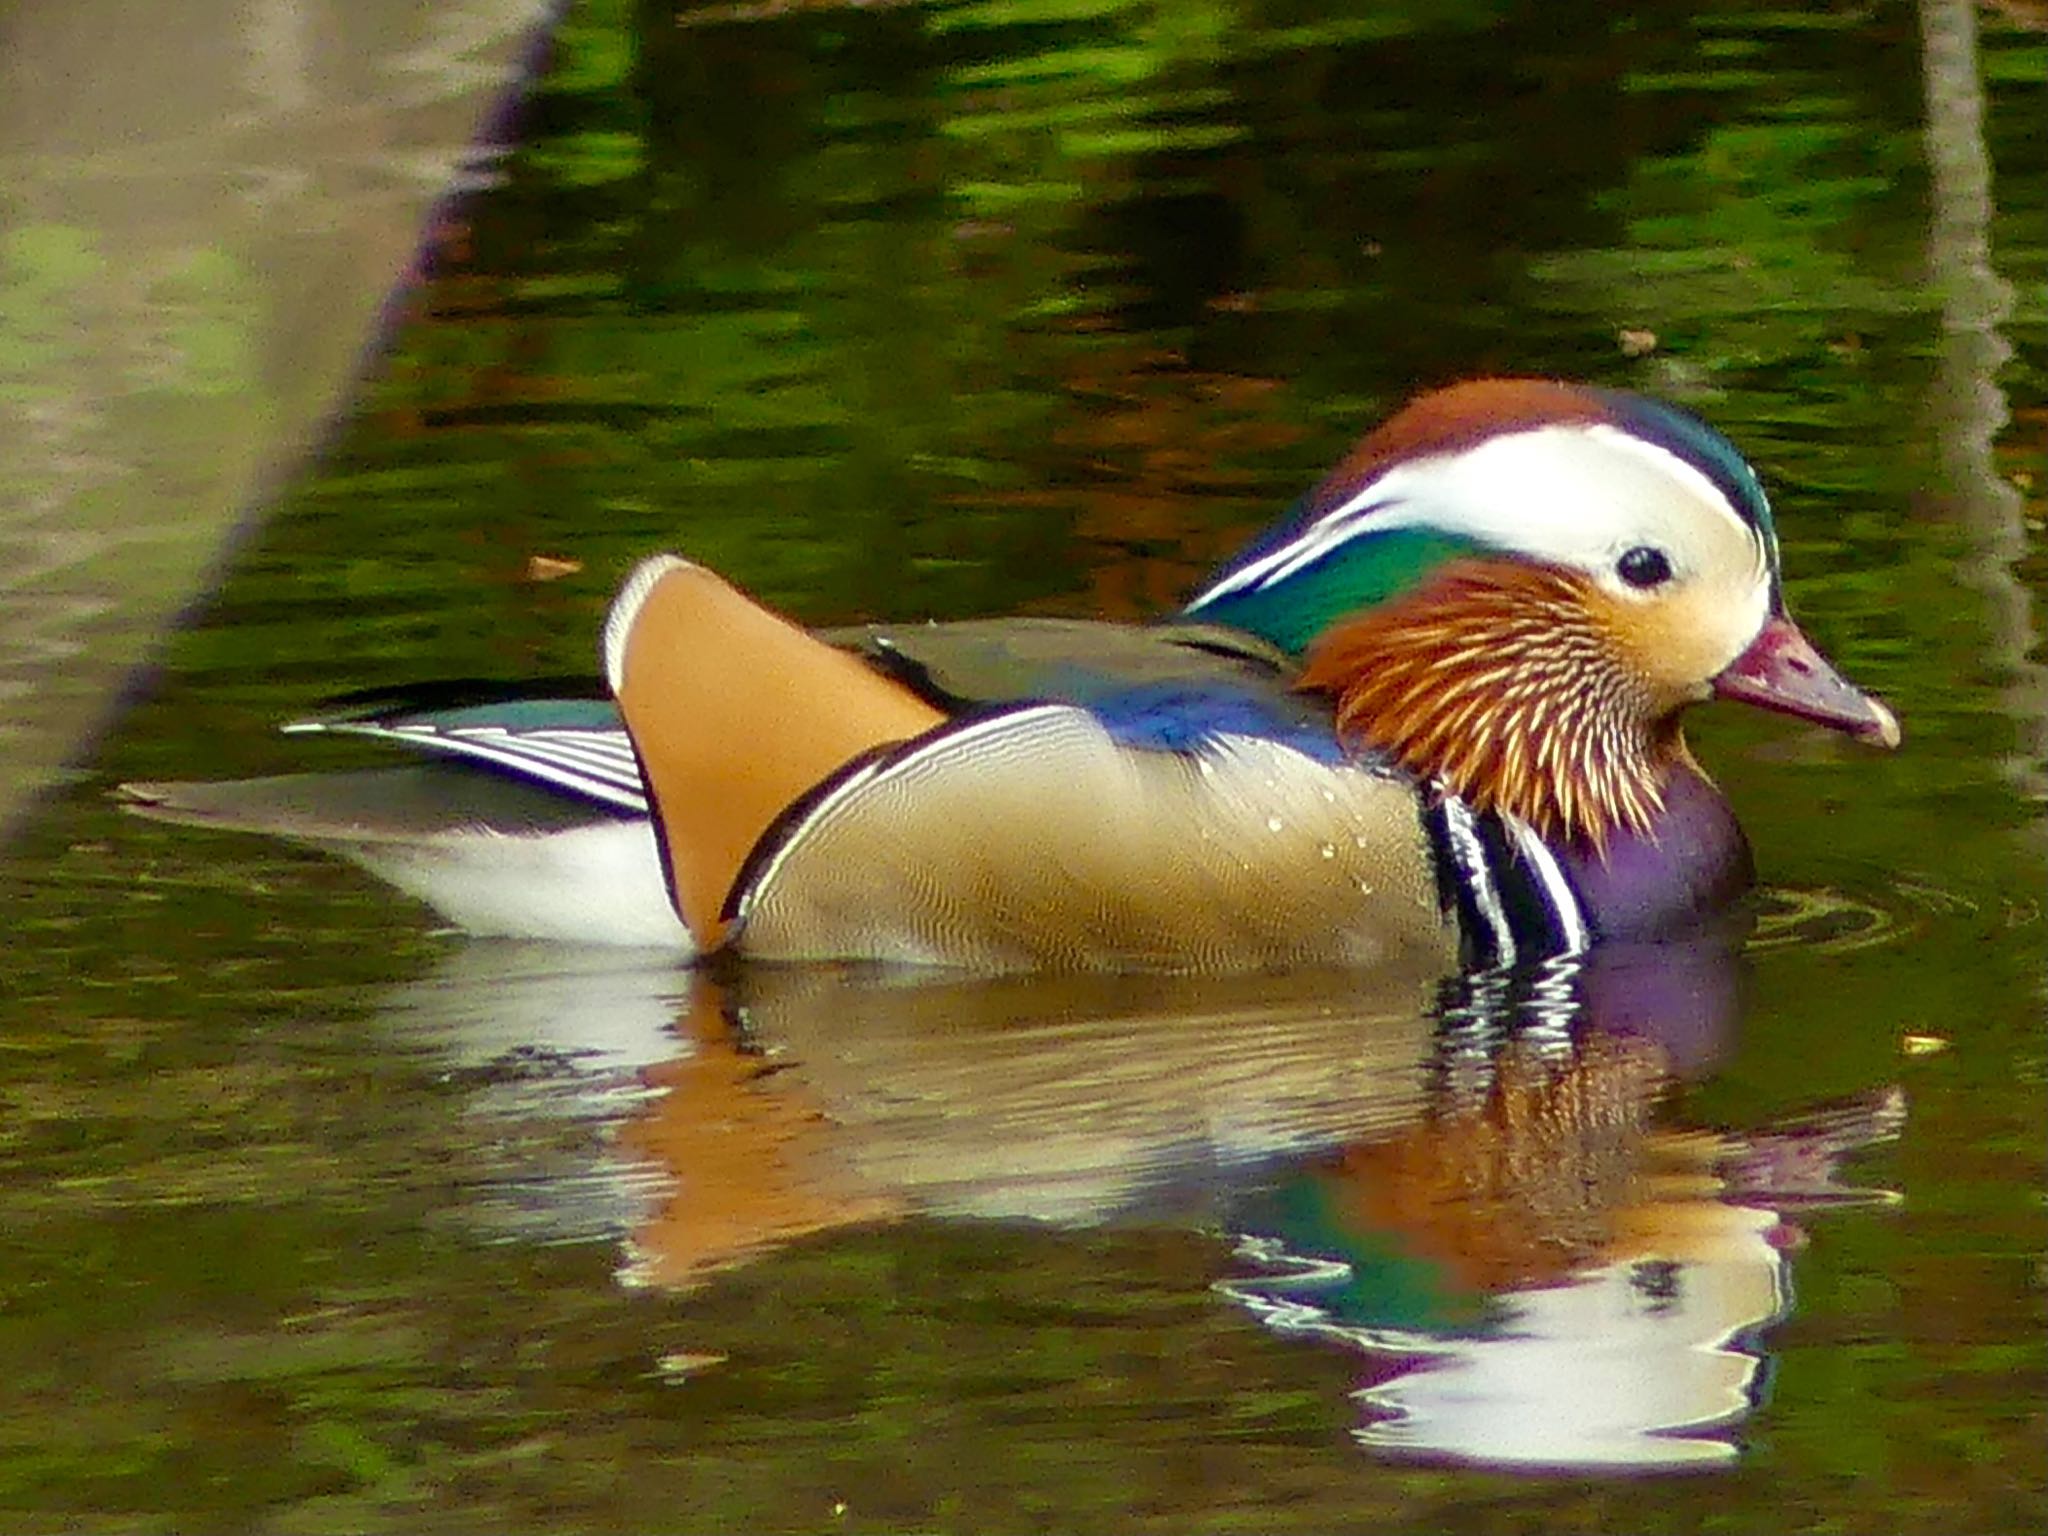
<point>1174,439</point>
<point>1563,1165</point>
<point>1475,1185</point>
<point>1532,1182</point>
<point>749,1152</point>
<point>813,1098</point>
<point>1543,1276</point>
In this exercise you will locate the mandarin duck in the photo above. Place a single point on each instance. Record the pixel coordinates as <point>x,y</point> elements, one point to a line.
<point>1431,716</point>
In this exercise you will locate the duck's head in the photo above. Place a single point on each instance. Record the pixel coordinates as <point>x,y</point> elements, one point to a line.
<point>1515,586</point>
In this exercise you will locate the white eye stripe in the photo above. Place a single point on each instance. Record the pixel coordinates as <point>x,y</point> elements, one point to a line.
<point>1677,468</point>
<point>1318,539</point>
<point>1762,544</point>
<point>1572,495</point>
<point>1577,495</point>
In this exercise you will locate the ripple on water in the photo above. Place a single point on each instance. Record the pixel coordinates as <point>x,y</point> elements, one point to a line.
<point>1834,922</point>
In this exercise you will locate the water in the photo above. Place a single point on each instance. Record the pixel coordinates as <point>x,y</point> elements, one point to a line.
<point>322,1220</point>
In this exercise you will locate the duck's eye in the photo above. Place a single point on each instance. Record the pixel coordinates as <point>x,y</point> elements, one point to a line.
<point>1644,567</point>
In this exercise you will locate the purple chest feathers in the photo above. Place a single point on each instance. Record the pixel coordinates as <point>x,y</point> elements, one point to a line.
<point>1690,865</point>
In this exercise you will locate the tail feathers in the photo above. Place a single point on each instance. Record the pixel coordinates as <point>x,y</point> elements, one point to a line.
<point>493,855</point>
<point>417,804</point>
<point>734,712</point>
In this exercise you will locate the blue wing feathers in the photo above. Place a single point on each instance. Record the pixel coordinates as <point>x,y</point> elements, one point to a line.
<point>1178,717</point>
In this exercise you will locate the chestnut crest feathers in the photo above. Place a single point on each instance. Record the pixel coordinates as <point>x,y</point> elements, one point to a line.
<point>1504,683</point>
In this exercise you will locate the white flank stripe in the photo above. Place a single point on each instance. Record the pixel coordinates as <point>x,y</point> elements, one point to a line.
<point>1465,838</point>
<point>1537,855</point>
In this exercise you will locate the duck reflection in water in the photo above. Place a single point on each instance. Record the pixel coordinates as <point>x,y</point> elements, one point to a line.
<point>1472,1184</point>
<point>1543,1273</point>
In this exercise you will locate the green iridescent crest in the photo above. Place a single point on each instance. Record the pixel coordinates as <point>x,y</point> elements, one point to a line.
<point>1291,611</point>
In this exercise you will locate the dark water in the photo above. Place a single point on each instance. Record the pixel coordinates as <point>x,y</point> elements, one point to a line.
<point>322,1221</point>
